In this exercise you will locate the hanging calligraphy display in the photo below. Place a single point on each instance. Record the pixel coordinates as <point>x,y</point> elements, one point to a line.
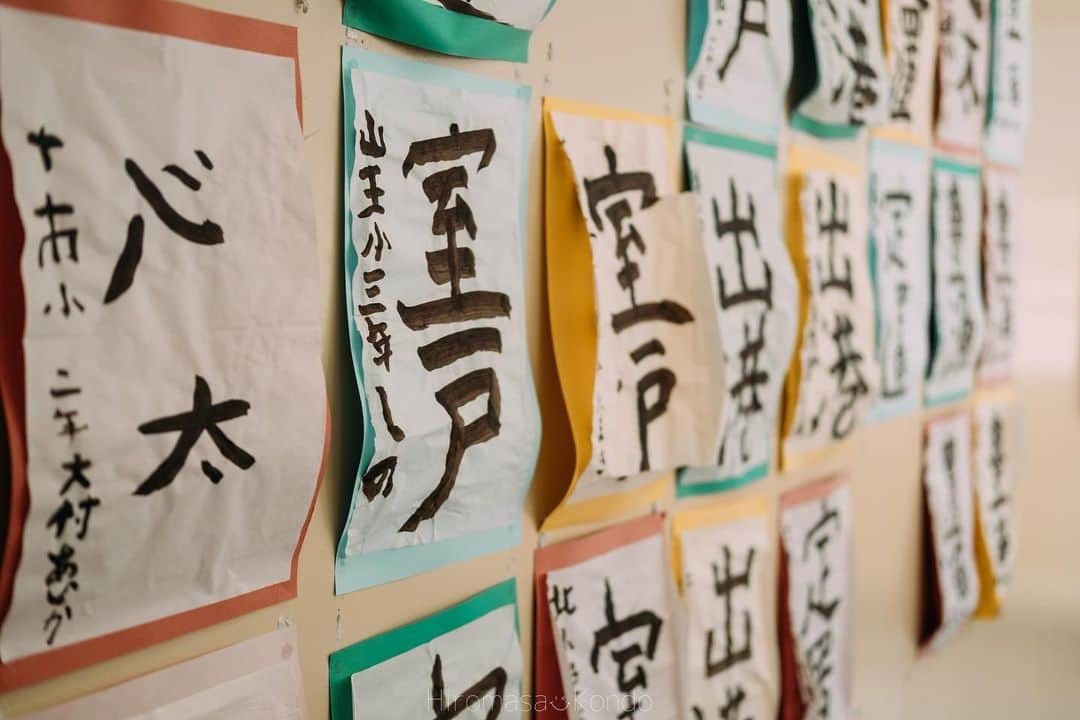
<point>723,555</point>
<point>833,379</point>
<point>911,36</point>
<point>484,29</point>
<point>258,679</point>
<point>738,65</point>
<point>963,74</point>
<point>434,237</point>
<point>899,188</point>
<point>463,662</point>
<point>612,624</point>
<point>634,327</point>
<point>756,295</point>
<point>845,81</point>
<point>165,399</point>
<point>957,327</point>
<point>1010,81</point>
<point>550,701</point>
<point>816,599</point>
<point>1001,233</point>
<point>997,425</point>
<point>951,593</point>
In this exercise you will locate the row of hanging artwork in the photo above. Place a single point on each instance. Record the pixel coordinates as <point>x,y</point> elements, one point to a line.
<point>801,291</point>
<point>949,69</point>
<point>157,394</point>
<point>630,624</point>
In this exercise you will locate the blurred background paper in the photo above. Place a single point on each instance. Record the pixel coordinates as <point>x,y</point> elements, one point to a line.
<point>834,376</point>
<point>738,65</point>
<point>842,79</point>
<point>1002,229</point>
<point>1010,81</point>
<point>953,578</point>
<point>258,679</point>
<point>899,186</point>
<point>996,465</point>
<point>911,35</point>
<point>958,323</point>
<point>963,74</point>
<point>816,620</point>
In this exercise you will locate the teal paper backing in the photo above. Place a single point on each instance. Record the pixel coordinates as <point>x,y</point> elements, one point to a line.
<point>375,568</point>
<point>422,24</point>
<point>371,652</point>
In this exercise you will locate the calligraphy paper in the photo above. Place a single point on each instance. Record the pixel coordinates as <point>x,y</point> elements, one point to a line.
<point>549,698</point>
<point>725,555</point>
<point>572,308</point>
<point>816,615</point>
<point>258,679</point>
<point>900,252</point>
<point>174,398</point>
<point>911,36</point>
<point>435,207</point>
<point>952,590</point>
<point>1001,235</point>
<point>842,43</point>
<point>957,328</point>
<point>756,294</point>
<point>462,662</point>
<point>613,623</point>
<point>1010,81</point>
<point>485,29</point>
<point>634,323</point>
<point>996,442</point>
<point>833,378</point>
<point>963,74</point>
<point>738,65</point>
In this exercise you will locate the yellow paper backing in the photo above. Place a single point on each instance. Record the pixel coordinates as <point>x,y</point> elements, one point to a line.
<point>802,160</point>
<point>989,598</point>
<point>572,305</point>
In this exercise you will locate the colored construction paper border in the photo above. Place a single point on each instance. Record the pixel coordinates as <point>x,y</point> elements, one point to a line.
<point>371,652</point>
<point>705,136</point>
<point>375,568</point>
<point>825,131</point>
<point>932,400</point>
<point>791,703</point>
<point>429,26</point>
<point>694,489</point>
<point>884,410</point>
<point>173,19</point>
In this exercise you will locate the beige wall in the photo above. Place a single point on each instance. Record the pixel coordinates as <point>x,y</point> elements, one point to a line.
<point>629,53</point>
